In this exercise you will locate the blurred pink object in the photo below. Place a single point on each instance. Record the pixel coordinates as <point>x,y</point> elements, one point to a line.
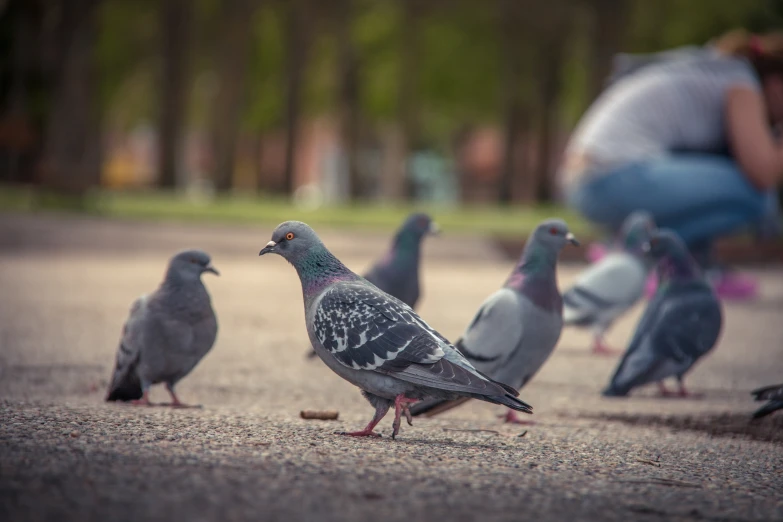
<point>596,251</point>
<point>730,286</point>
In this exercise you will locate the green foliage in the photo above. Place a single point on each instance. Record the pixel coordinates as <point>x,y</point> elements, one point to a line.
<point>459,56</point>
<point>269,211</point>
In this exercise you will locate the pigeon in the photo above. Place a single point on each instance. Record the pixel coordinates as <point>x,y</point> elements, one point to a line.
<point>610,287</point>
<point>397,273</point>
<point>516,328</point>
<point>773,394</point>
<point>681,324</point>
<point>167,333</point>
<point>375,341</point>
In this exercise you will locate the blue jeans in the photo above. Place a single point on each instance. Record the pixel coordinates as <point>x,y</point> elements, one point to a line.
<point>700,196</point>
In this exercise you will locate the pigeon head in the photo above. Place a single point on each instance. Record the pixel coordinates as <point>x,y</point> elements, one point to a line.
<point>552,235</point>
<point>292,240</point>
<point>189,265</point>
<point>419,225</point>
<point>534,275</point>
<point>637,229</point>
<point>669,251</point>
<point>298,244</point>
<point>665,243</point>
<point>408,238</point>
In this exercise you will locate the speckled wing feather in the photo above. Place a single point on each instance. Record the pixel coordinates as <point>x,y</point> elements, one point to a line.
<point>365,329</point>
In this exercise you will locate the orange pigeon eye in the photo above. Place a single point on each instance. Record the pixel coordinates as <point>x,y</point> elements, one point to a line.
<point>289,236</point>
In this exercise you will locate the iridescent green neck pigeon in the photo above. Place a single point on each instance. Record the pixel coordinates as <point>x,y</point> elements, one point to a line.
<point>681,324</point>
<point>397,273</point>
<point>516,329</point>
<point>167,334</point>
<point>375,341</point>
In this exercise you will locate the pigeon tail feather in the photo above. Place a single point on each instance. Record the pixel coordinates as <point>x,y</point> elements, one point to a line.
<point>127,389</point>
<point>507,400</point>
<point>768,408</point>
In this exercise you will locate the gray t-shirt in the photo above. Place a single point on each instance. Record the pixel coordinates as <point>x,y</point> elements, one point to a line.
<point>663,107</point>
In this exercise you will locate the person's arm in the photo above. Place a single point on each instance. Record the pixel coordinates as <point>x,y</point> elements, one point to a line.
<point>759,156</point>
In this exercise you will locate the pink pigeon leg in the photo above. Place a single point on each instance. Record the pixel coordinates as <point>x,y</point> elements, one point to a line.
<point>401,403</point>
<point>175,402</point>
<point>600,348</point>
<point>511,417</point>
<point>380,413</point>
<point>685,394</point>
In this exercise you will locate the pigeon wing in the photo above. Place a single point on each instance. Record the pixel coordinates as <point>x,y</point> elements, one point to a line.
<point>678,328</point>
<point>614,283</point>
<point>365,329</point>
<point>125,384</point>
<point>494,333</point>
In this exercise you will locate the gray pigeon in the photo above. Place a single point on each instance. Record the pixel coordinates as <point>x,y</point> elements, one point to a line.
<point>397,273</point>
<point>167,334</point>
<point>375,341</point>
<point>773,394</point>
<point>610,287</point>
<point>681,324</point>
<point>516,329</point>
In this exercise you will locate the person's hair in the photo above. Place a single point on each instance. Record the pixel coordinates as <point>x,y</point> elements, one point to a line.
<point>763,51</point>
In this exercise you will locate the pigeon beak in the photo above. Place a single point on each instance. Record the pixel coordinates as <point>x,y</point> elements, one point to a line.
<point>212,269</point>
<point>270,247</point>
<point>434,228</point>
<point>572,239</point>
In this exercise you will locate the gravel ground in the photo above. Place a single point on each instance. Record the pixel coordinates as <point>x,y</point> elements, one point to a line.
<point>245,454</point>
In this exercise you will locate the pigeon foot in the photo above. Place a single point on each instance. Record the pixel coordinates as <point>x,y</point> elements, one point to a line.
<point>401,404</point>
<point>511,417</point>
<point>363,433</point>
<point>600,348</point>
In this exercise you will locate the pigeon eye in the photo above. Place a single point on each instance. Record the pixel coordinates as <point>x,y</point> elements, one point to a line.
<point>193,260</point>
<point>289,236</point>
<point>553,231</point>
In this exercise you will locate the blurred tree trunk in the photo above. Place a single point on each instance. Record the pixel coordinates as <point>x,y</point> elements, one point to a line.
<point>513,108</point>
<point>400,183</point>
<point>296,49</point>
<point>350,114</point>
<point>174,29</point>
<point>232,61</point>
<point>610,19</point>
<point>23,20</point>
<point>71,162</point>
<point>550,79</point>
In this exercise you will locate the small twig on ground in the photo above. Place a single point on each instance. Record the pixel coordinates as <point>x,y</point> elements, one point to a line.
<point>473,431</point>
<point>319,415</point>
<point>661,482</point>
<point>649,462</point>
<point>522,434</point>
